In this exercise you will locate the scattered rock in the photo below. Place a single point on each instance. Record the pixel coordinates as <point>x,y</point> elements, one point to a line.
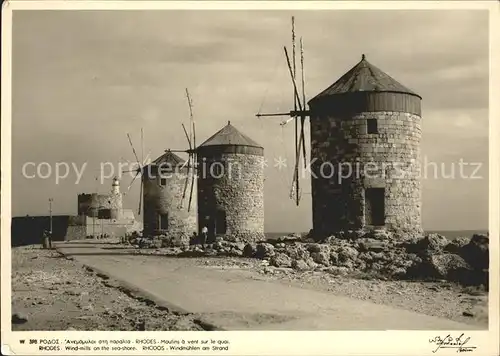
<point>396,272</point>
<point>310,262</point>
<point>336,270</point>
<point>297,251</point>
<point>300,265</point>
<point>140,325</point>
<point>250,250</point>
<point>321,257</point>
<point>235,252</point>
<point>433,242</point>
<point>374,235</point>
<point>450,267</point>
<point>268,270</point>
<point>19,318</point>
<point>280,260</point>
<point>456,245</point>
<point>368,244</point>
<point>314,247</point>
<point>264,250</point>
<point>289,238</point>
<point>476,252</point>
<point>347,253</point>
<point>239,246</point>
<point>334,258</point>
<point>468,314</point>
<point>376,256</point>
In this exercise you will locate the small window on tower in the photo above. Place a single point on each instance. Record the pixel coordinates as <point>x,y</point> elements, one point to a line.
<point>163,182</point>
<point>372,126</point>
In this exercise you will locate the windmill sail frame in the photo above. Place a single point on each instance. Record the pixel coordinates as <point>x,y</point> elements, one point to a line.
<point>299,111</point>
<point>139,170</point>
<point>192,158</point>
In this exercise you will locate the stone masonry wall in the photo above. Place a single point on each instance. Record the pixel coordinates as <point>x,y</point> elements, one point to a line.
<point>388,159</point>
<point>166,200</point>
<point>91,203</point>
<point>239,191</point>
<point>76,232</point>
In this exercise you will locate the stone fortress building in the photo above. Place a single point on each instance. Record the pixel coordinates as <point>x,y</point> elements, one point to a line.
<point>231,186</point>
<point>165,211</point>
<point>103,214</point>
<point>104,206</point>
<point>371,123</point>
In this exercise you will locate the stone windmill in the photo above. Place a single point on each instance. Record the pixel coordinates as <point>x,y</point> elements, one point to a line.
<point>168,183</point>
<point>229,170</point>
<point>365,134</point>
<point>231,186</point>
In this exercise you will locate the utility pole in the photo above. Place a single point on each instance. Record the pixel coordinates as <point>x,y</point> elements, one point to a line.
<point>102,223</point>
<point>50,221</point>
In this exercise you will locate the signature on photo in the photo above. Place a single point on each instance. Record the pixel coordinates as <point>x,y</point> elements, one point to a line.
<point>448,342</point>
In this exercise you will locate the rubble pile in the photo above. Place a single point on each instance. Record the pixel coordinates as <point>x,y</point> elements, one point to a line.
<point>432,257</point>
<point>377,254</point>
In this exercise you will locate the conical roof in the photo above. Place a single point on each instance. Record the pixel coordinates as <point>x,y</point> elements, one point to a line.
<point>364,77</point>
<point>229,136</point>
<point>166,162</point>
<point>169,158</point>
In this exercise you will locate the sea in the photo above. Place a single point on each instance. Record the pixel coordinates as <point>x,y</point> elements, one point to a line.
<point>451,235</point>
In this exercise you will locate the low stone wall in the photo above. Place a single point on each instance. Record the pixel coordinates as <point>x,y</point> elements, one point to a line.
<point>27,230</point>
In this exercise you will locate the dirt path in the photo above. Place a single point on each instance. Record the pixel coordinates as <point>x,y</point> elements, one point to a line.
<point>54,293</point>
<point>439,299</point>
<point>239,299</point>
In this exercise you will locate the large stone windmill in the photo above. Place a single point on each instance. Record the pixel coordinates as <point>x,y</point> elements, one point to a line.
<point>369,124</point>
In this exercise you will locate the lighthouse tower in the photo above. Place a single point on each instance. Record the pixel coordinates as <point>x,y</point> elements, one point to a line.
<point>115,186</point>
<point>115,200</point>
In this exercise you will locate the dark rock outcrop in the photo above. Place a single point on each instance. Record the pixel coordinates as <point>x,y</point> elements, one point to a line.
<point>250,250</point>
<point>476,252</point>
<point>264,250</point>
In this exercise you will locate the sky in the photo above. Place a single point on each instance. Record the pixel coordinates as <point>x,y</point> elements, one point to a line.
<point>82,80</point>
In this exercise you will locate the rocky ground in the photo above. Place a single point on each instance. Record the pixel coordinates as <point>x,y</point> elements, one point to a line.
<point>430,274</point>
<point>376,254</point>
<point>50,292</point>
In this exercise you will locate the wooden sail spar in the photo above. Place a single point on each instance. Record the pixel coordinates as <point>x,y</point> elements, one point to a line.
<point>299,112</point>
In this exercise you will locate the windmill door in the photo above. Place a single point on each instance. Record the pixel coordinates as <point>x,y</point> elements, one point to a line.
<point>375,206</point>
<point>162,221</point>
<point>220,222</point>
